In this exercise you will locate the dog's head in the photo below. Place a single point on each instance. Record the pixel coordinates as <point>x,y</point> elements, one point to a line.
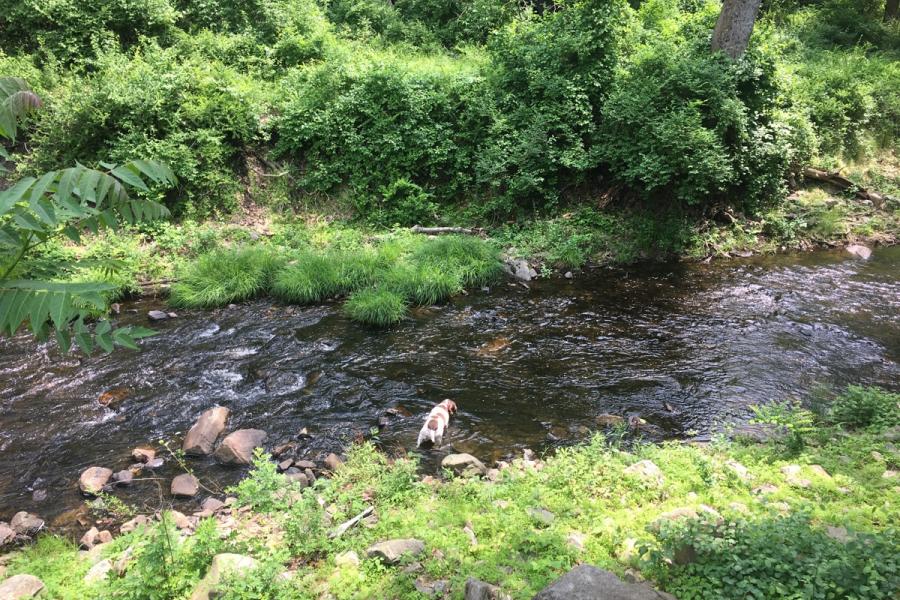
<point>450,405</point>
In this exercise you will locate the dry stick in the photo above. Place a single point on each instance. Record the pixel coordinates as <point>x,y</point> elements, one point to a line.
<point>339,531</point>
<point>836,179</point>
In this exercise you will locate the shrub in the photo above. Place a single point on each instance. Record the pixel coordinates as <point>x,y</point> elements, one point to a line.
<point>377,307</point>
<point>224,276</point>
<point>193,114</point>
<point>400,203</point>
<point>866,407</point>
<point>72,30</point>
<point>774,558</point>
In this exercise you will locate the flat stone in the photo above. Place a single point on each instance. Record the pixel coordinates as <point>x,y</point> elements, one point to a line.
<point>105,537</point>
<point>345,559</point>
<point>90,538</point>
<point>155,463</point>
<point>19,587</point>
<point>93,479</point>
<point>180,520</point>
<point>134,523</point>
<point>392,551</point>
<point>201,437</point>
<point>576,540</point>
<point>98,572</point>
<point>819,471</point>
<point>479,590</point>
<point>143,454</point>
<point>739,470</point>
<point>647,471</point>
<point>766,488</point>
<point>859,251</point>
<point>542,516</point>
<point>759,433</point>
<point>157,315</point>
<point>123,477</point>
<point>285,464</point>
<point>305,464</point>
<point>684,512</point>
<point>221,564</point>
<point>607,420</point>
<point>237,447</point>
<point>333,462</point>
<point>212,504</point>
<point>586,582</point>
<point>463,464</point>
<point>297,477</point>
<point>792,476</point>
<point>889,474</point>
<point>26,523</point>
<point>185,486</point>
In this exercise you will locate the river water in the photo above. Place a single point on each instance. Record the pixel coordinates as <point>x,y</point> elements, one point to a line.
<point>687,347</point>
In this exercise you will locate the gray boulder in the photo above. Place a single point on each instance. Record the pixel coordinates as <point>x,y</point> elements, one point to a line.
<point>19,587</point>
<point>202,436</point>
<point>392,551</point>
<point>463,464</point>
<point>25,523</point>
<point>479,590</point>
<point>586,582</point>
<point>185,486</point>
<point>237,447</point>
<point>222,564</point>
<point>93,479</point>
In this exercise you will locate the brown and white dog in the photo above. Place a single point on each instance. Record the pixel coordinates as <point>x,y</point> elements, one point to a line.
<point>433,430</point>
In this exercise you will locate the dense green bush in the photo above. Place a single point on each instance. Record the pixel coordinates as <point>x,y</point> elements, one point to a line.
<point>783,557</point>
<point>75,30</point>
<point>861,407</point>
<point>193,114</point>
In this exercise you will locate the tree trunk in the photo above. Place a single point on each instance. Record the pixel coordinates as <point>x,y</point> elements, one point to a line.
<point>892,10</point>
<point>735,24</point>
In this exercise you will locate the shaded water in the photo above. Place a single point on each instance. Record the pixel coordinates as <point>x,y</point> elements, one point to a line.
<point>528,367</point>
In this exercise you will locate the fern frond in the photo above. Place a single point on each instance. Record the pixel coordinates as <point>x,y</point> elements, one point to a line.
<point>16,101</point>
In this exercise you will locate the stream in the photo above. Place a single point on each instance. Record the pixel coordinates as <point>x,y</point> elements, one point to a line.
<point>688,347</point>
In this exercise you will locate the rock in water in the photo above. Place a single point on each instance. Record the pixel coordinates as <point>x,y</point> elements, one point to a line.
<point>463,464</point>
<point>19,587</point>
<point>222,564</point>
<point>143,454</point>
<point>859,251</point>
<point>25,523</point>
<point>185,486</point>
<point>586,582</point>
<point>237,447</point>
<point>201,438</point>
<point>391,551</point>
<point>157,315</point>
<point>93,479</point>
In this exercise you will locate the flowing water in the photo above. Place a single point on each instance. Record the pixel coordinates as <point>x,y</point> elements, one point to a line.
<point>687,347</point>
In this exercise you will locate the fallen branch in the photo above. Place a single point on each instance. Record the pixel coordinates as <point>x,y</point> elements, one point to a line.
<point>343,527</point>
<point>442,230</point>
<point>839,181</point>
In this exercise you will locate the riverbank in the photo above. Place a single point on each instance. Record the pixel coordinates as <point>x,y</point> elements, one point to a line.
<point>233,261</point>
<point>798,502</point>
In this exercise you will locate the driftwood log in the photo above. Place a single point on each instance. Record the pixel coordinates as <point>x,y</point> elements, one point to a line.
<point>836,179</point>
<point>442,230</point>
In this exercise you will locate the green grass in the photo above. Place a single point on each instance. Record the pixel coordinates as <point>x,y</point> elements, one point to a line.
<point>424,284</point>
<point>224,276</point>
<point>377,307</point>
<point>56,561</point>
<point>307,279</point>
<point>475,261</point>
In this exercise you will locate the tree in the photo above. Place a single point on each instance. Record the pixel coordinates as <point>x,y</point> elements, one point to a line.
<point>67,202</point>
<point>735,24</point>
<point>891,10</point>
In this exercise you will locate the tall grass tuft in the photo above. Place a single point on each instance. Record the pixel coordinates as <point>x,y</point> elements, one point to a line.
<point>308,279</point>
<point>423,284</point>
<point>473,260</point>
<point>376,307</point>
<point>224,276</point>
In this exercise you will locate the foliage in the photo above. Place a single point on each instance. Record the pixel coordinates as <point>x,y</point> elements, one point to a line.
<point>224,276</point>
<point>473,260</point>
<point>780,557</point>
<point>866,407</point>
<point>56,562</point>
<point>377,307</point>
<point>796,421</point>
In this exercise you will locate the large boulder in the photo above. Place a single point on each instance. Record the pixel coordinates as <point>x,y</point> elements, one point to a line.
<point>463,464</point>
<point>201,438</point>
<point>586,582</point>
<point>237,447</point>
<point>392,551</point>
<point>185,486</point>
<point>93,479</point>
<point>19,587</point>
<point>25,523</point>
<point>222,564</point>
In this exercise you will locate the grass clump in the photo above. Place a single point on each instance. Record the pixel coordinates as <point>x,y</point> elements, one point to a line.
<point>308,279</point>
<point>378,307</point>
<point>475,261</point>
<point>56,562</point>
<point>224,276</point>
<point>424,284</point>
